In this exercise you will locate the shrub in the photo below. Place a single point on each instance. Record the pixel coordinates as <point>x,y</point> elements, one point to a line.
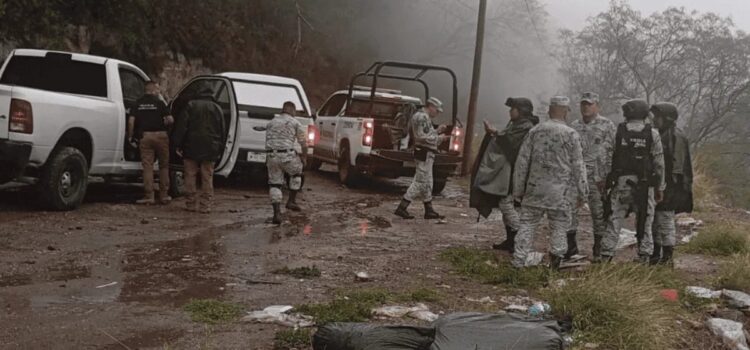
<point>722,239</point>
<point>619,307</point>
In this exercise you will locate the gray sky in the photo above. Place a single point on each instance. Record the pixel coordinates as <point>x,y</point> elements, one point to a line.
<point>571,14</point>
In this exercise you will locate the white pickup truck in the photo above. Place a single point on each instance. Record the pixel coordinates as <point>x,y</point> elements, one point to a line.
<point>63,118</point>
<point>357,129</point>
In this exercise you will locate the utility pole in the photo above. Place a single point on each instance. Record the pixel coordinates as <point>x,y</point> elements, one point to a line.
<point>476,76</point>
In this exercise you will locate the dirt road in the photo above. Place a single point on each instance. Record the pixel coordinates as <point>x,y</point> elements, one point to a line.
<point>114,273</point>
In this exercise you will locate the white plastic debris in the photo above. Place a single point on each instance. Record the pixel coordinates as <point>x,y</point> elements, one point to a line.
<point>106,285</point>
<point>485,300</point>
<point>730,331</point>
<point>626,239</point>
<point>686,221</point>
<point>539,309</point>
<point>520,309</point>
<point>362,276</point>
<point>420,312</point>
<point>737,299</point>
<point>704,293</point>
<point>279,314</point>
<point>687,238</point>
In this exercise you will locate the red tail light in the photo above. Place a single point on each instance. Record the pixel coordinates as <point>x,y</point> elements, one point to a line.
<point>369,132</point>
<point>312,135</point>
<point>457,138</point>
<point>21,117</point>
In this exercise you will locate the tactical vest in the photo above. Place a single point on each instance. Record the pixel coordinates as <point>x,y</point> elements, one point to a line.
<point>632,155</point>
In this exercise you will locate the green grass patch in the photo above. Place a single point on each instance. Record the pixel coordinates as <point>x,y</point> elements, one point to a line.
<point>619,307</point>
<point>212,311</point>
<point>292,339</point>
<point>354,306</point>
<point>487,268</point>
<point>723,239</point>
<point>299,272</point>
<point>734,273</point>
<point>421,295</point>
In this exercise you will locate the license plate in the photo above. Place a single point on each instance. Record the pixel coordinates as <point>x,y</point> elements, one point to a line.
<point>256,157</point>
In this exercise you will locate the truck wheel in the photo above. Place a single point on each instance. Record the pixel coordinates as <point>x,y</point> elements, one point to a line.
<point>438,185</point>
<point>64,180</point>
<point>176,183</point>
<point>348,174</point>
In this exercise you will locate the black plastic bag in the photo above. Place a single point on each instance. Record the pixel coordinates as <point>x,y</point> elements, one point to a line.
<point>361,336</point>
<point>476,331</point>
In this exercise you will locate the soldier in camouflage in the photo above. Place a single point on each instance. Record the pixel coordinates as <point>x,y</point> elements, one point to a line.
<point>550,178</point>
<point>638,158</point>
<point>597,141</point>
<point>426,141</point>
<point>678,197</point>
<point>285,145</point>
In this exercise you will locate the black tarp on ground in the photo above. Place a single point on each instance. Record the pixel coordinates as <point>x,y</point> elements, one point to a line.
<point>363,336</point>
<point>459,331</point>
<point>477,331</point>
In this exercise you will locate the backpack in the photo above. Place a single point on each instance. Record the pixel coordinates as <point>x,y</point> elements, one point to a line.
<point>401,124</point>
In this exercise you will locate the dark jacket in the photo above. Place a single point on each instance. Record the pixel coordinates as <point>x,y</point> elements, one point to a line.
<point>492,174</point>
<point>678,195</point>
<point>200,130</point>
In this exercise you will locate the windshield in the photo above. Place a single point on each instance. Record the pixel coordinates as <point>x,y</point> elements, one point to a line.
<point>267,97</point>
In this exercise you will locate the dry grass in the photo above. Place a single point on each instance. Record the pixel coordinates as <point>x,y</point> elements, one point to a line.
<point>735,273</point>
<point>620,307</point>
<point>721,239</point>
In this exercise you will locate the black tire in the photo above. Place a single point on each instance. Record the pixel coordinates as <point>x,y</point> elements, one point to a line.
<point>176,183</point>
<point>64,180</point>
<point>438,185</point>
<point>348,174</point>
<point>313,163</point>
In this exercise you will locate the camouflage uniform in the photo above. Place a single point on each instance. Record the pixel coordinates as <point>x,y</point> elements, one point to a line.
<point>549,177</point>
<point>622,198</point>
<point>425,136</point>
<point>284,138</point>
<point>597,143</point>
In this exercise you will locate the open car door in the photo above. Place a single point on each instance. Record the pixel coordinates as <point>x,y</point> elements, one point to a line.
<point>223,95</point>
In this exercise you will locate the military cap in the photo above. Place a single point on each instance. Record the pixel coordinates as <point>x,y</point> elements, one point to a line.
<point>435,102</point>
<point>635,109</point>
<point>590,97</point>
<point>559,101</point>
<point>665,109</point>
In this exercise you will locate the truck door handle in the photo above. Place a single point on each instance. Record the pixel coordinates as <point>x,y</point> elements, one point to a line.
<point>259,128</point>
<point>2,117</point>
<point>333,123</point>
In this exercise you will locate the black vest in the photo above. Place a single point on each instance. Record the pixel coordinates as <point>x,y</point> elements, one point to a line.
<point>632,155</point>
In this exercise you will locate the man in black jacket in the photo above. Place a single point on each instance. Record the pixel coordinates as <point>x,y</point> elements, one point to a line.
<point>199,139</point>
<point>508,141</point>
<point>678,196</point>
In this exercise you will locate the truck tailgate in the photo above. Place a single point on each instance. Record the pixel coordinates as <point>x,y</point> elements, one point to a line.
<point>5,96</point>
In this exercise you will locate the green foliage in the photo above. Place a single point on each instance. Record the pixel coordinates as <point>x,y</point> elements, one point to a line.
<point>212,311</point>
<point>292,339</point>
<point>299,272</point>
<point>723,239</point>
<point>355,306</point>
<point>619,307</point>
<point>735,273</point>
<point>421,295</point>
<point>487,268</point>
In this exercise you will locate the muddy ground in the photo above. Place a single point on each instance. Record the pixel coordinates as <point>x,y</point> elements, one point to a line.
<point>113,275</point>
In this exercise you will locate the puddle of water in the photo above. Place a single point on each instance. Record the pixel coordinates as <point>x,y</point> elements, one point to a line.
<point>174,272</point>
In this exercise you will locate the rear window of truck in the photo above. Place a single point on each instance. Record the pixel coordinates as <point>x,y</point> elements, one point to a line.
<point>380,109</point>
<point>264,100</point>
<point>58,74</point>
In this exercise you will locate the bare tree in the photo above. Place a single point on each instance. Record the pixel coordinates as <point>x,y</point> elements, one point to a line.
<point>700,62</point>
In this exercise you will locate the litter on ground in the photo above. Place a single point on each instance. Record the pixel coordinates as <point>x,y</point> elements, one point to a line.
<point>704,293</point>
<point>279,314</point>
<point>731,332</point>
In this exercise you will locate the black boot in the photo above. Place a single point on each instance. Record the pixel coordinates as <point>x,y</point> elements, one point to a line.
<point>291,204</point>
<point>509,243</point>
<point>430,213</point>
<point>555,261</point>
<point>597,251</point>
<point>572,245</point>
<point>401,210</point>
<point>666,256</point>
<point>656,256</point>
<point>276,214</point>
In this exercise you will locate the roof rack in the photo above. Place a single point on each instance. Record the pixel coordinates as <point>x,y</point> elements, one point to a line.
<point>375,73</point>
